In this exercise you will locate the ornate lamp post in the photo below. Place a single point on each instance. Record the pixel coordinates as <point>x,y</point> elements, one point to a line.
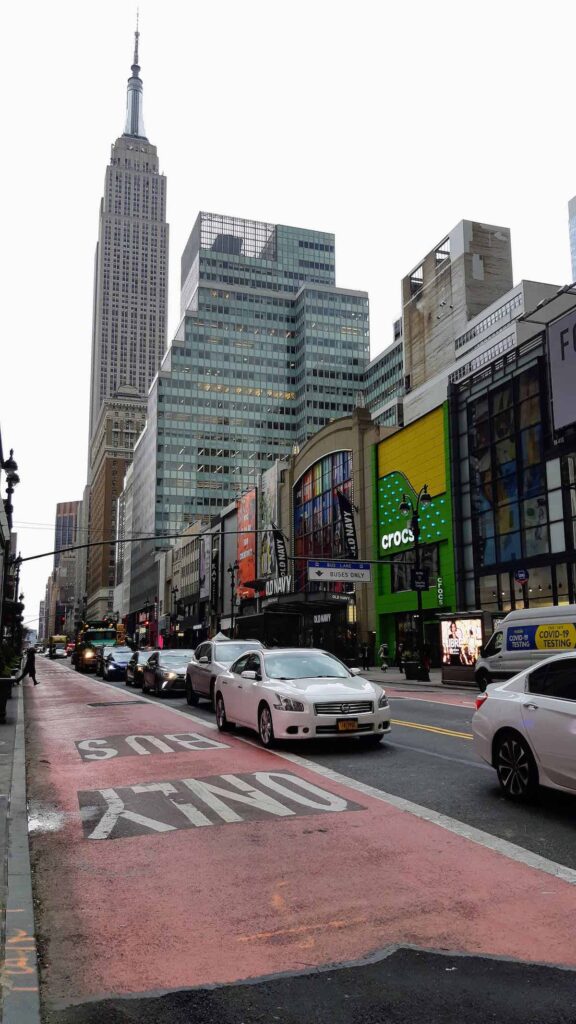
<point>407,508</point>
<point>232,571</point>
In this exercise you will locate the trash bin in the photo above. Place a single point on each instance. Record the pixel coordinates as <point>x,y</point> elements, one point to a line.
<point>414,670</point>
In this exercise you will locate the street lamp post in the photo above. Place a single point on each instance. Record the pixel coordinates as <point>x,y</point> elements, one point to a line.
<point>232,570</point>
<point>407,508</point>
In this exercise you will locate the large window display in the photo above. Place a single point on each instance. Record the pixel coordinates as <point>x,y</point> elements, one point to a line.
<point>507,472</point>
<point>317,522</point>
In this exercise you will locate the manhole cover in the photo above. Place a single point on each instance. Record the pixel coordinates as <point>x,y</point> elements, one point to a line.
<point>114,703</point>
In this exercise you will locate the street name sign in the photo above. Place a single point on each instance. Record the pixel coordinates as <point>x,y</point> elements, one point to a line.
<point>339,572</point>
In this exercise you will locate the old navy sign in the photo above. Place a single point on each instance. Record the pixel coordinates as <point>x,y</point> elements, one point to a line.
<point>152,808</point>
<point>278,585</point>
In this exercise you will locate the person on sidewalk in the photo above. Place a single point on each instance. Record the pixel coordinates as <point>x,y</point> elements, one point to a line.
<point>29,667</point>
<point>399,662</point>
<point>383,656</point>
<point>365,651</point>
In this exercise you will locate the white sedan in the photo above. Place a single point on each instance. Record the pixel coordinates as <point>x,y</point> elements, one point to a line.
<point>526,728</point>
<point>298,694</point>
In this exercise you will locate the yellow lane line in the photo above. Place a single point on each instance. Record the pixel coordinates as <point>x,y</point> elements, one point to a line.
<point>434,728</point>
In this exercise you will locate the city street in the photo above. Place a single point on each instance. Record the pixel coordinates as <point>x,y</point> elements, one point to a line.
<point>357,884</point>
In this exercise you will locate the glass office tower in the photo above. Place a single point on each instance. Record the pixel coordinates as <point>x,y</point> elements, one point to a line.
<point>268,351</point>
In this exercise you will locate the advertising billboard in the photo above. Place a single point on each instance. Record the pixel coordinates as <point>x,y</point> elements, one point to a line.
<point>246,547</point>
<point>267,514</point>
<point>205,563</point>
<point>562,359</point>
<point>461,641</point>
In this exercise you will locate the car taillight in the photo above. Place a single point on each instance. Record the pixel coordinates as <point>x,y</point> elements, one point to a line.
<point>480,700</point>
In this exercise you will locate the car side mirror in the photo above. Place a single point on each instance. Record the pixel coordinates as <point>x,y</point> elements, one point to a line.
<point>356,671</point>
<point>203,660</point>
<point>249,674</point>
<point>482,652</point>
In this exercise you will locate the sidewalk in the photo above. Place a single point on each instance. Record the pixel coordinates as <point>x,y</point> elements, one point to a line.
<point>393,677</point>
<point>19,989</point>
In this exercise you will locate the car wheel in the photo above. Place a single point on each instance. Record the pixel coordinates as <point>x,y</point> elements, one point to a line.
<point>483,679</point>
<point>144,688</point>
<point>221,721</point>
<point>515,766</point>
<point>212,695</point>
<point>158,691</point>
<point>105,674</point>
<point>265,726</point>
<point>191,696</point>
<point>127,681</point>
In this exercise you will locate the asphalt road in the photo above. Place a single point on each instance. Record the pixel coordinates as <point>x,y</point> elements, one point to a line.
<point>429,759</point>
<point>110,965</point>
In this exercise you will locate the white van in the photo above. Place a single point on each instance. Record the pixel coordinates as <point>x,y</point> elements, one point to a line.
<point>523,638</point>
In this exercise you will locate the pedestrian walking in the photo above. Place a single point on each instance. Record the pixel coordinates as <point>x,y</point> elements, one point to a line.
<point>29,667</point>
<point>383,656</point>
<point>399,657</point>
<point>365,657</point>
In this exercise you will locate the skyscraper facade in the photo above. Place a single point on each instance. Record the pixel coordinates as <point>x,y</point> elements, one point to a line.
<point>268,351</point>
<point>131,263</point>
<point>129,328</point>
<point>66,526</point>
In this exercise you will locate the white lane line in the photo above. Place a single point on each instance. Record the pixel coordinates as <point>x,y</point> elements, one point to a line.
<point>458,828</point>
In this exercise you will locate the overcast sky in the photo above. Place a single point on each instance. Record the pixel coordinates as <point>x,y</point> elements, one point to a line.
<point>386,124</point>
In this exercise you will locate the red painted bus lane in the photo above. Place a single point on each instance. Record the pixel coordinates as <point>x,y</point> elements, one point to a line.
<point>168,856</point>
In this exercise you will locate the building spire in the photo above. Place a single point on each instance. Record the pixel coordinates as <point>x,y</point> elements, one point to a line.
<point>134,115</point>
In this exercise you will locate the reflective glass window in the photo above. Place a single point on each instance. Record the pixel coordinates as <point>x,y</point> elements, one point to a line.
<point>533,481</point>
<point>508,518</point>
<point>529,383</point>
<point>510,547</point>
<point>505,452</point>
<point>531,445</point>
<point>534,511</point>
<point>530,412</point>
<point>536,541</point>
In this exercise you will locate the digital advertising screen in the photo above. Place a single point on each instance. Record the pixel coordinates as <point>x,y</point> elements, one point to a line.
<point>461,641</point>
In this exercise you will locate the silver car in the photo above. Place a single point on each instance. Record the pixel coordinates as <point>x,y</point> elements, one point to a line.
<point>210,659</point>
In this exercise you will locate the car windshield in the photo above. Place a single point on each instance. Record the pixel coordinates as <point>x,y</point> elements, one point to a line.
<point>304,665</point>
<point>121,653</point>
<point>106,651</point>
<point>227,653</point>
<point>103,636</point>
<point>176,658</point>
<point>144,655</point>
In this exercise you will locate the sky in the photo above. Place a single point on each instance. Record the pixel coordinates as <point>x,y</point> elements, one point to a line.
<point>385,124</point>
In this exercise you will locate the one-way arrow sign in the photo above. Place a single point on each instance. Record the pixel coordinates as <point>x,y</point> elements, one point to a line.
<point>339,572</point>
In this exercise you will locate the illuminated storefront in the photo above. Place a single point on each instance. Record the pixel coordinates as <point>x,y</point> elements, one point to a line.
<point>406,461</point>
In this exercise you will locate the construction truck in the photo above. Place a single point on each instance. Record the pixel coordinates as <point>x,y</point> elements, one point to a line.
<point>91,636</point>
<point>57,646</point>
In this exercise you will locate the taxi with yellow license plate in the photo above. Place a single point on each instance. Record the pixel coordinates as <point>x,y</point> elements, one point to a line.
<point>298,694</point>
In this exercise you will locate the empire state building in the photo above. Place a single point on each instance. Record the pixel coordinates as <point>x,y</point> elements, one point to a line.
<point>131,263</point>
<point>128,333</point>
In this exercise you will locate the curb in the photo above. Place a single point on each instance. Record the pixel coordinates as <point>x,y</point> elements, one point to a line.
<point>20,983</point>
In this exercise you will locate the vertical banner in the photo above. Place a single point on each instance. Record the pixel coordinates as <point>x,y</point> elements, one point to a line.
<point>348,526</point>
<point>214,582</point>
<point>205,560</point>
<point>267,515</point>
<point>280,553</point>
<point>246,547</point>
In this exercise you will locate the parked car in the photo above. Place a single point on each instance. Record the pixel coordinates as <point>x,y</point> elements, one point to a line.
<point>525,638</point>
<point>70,647</point>
<point>116,662</point>
<point>165,672</point>
<point>525,728</point>
<point>300,693</point>
<point>135,666</point>
<point>209,659</point>
<point>101,654</point>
